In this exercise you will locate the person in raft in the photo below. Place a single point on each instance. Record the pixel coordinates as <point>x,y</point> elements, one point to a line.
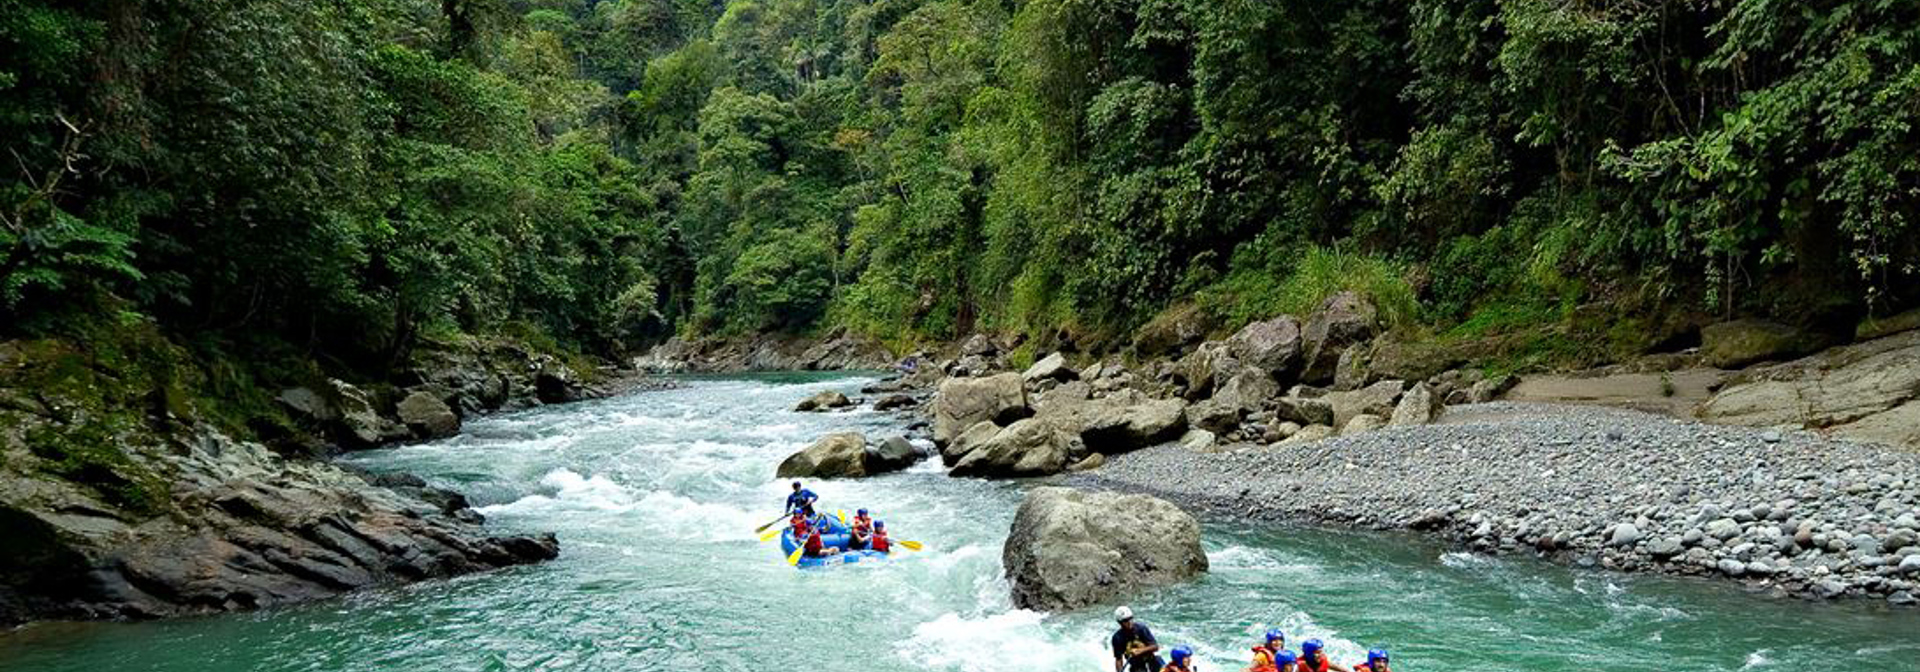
<point>1283,661</point>
<point>807,536</point>
<point>1180,660</point>
<point>1264,653</point>
<point>1376,662</point>
<point>1134,648</point>
<point>860,534</point>
<point>880,541</point>
<point>802,499</point>
<point>1313,658</point>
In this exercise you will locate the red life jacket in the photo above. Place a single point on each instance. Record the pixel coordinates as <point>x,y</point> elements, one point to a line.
<point>880,543</point>
<point>813,545</point>
<point>1363,667</point>
<point>1175,667</point>
<point>1310,666</point>
<point>1263,660</point>
<point>863,525</point>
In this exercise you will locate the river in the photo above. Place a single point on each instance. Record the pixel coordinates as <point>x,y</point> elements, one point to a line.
<point>655,495</point>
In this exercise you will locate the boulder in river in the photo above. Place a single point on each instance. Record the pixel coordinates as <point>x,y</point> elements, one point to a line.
<point>846,455</point>
<point>824,400</point>
<point>1069,549</point>
<point>427,416</point>
<point>894,402</point>
<point>961,402</point>
<point>974,437</point>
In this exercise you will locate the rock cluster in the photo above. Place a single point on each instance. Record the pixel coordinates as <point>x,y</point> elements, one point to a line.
<point>444,388</point>
<point>1069,549</point>
<point>1791,512</point>
<point>231,525</point>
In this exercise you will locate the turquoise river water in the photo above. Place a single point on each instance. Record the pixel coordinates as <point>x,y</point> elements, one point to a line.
<point>655,496</point>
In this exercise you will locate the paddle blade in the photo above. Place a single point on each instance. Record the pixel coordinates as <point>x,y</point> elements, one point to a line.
<point>843,516</point>
<point>911,545</point>
<point>795,558</point>
<point>770,535</point>
<point>763,528</point>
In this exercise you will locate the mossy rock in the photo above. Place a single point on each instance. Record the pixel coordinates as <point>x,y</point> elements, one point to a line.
<point>1734,344</point>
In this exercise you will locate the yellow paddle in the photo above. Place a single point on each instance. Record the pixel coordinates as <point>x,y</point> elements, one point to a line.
<point>770,535</point>
<point>843,516</point>
<point>911,545</point>
<point>795,558</point>
<point>776,521</point>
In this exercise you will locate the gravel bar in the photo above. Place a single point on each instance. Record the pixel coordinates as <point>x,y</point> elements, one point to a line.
<point>1791,513</point>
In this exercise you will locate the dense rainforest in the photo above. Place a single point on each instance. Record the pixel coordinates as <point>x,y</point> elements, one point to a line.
<point>342,180</point>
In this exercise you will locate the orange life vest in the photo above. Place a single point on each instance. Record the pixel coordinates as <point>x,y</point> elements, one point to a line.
<point>1262,660</point>
<point>1311,666</point>
<point>880,543</point>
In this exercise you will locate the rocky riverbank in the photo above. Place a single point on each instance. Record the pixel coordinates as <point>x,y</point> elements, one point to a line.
<point>125,494</point>
<point>1791,513</point>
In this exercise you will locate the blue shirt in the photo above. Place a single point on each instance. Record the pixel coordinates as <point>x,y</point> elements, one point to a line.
<point>1140,633</point>
<point>800,500</point>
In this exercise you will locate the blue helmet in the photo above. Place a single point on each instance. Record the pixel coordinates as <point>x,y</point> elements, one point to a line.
<point>1181,653</point>
<point>879,524</point>
<point>1276,634</point>
<point>861,512</point>
<point>1377,656</point>
<point>1284,657</point>
<point>1310,647</point>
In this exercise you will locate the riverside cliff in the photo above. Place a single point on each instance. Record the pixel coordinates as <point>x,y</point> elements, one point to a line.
<point>124,493</point>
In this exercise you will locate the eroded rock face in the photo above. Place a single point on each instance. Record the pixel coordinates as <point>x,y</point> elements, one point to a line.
<point>1869,392</point>
<point>961,402</point>
<point>227,526</point>
<point>1069,549</point>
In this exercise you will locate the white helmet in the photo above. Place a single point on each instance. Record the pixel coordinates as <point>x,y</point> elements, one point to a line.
<point>1122,614</point>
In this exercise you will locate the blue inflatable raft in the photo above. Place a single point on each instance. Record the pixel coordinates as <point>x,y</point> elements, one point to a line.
<point>834,535</point>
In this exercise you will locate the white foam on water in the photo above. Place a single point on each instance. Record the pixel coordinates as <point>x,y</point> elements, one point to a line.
<point>1242,557</point>
<point>684,518</point>
<point>1758,660</point>
<point>572,492</point>
<point>1464,560</point>
<point>1004,641</point>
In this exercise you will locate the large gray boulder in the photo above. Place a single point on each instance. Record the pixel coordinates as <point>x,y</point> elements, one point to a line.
<point>1208,364</point>
<point>1069,549</point>
<point>1378,399</point>
<point>1133,426</point>
<point>967,441</point>
<point>1418,406</point>
<point>1272,346</point>
<point>1050,367</point>
<point>839,455</point>
<point>961,402</point>
<point>427,416</point>
<point>1304,410</point>
<point>823,401</point>
<point>1344,319</point>
<point>1030,447</point>
<point>892,454</point>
